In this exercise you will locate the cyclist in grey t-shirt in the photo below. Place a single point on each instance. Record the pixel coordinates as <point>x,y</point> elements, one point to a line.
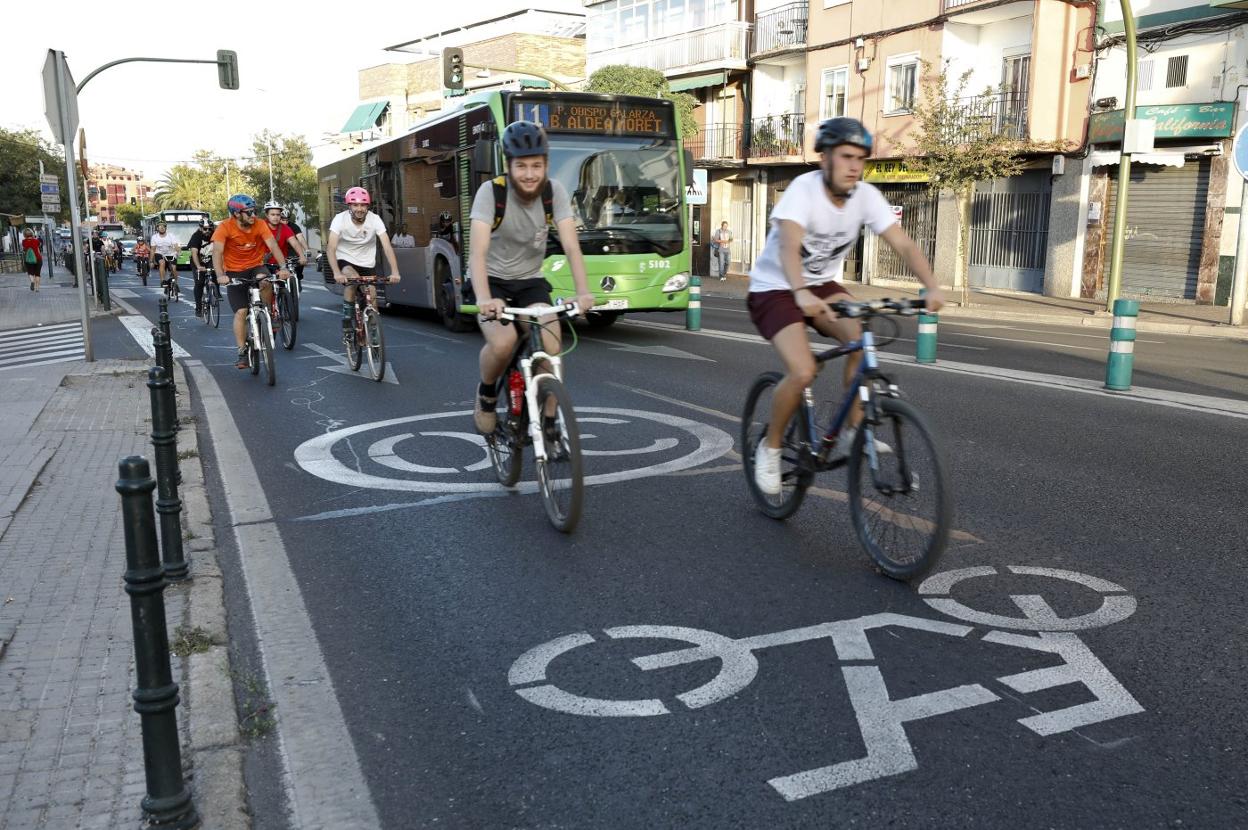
<point>505,263</point>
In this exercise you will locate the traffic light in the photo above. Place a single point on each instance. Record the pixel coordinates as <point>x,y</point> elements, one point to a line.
<point>453,68</point>
<point>227,68</point>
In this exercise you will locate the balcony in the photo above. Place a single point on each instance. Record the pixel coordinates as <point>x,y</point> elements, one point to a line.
<point>717,143</point>
<point>720,46</point>
<point>1003,114</point>
<point>780,29</point>
<point>777,135</point>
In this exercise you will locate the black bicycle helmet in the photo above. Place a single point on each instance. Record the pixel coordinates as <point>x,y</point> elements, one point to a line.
<point>524,138</point>
<point>837,131</point>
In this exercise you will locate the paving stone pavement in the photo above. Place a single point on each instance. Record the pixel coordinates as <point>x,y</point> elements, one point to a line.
<point>71,750</point>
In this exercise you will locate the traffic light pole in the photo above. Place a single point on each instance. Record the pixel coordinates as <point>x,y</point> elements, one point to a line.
<point>83,82</point>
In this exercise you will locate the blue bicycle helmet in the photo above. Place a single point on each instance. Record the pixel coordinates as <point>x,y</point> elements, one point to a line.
<point>241,201</point>
<point>837,131</point>
<point>524,138</point>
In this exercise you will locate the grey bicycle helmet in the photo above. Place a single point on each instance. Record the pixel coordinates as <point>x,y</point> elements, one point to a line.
<point>837,131</point>
<point>524,138</point>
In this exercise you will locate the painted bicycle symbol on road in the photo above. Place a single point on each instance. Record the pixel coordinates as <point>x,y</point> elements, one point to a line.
<point>881,718</point>
<point>432,453</point>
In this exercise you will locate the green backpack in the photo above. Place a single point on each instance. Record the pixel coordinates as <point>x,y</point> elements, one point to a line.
<point>31,257</point>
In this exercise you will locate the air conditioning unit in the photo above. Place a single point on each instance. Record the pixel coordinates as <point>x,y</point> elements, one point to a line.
<point>864,64</point>
<point>1083,71</point>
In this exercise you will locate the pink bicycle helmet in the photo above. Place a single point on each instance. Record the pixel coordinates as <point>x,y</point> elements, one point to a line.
<point>357,196</point>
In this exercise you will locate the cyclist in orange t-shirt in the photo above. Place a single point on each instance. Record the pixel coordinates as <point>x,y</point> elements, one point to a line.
<point>239,247</point>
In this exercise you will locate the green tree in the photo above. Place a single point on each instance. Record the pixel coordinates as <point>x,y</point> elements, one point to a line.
<point>130,215</point>
<point>186,186</point>
<point>651,83</point>
<point>962,140</point>
<point>294,177</point>
<point>20,154</point>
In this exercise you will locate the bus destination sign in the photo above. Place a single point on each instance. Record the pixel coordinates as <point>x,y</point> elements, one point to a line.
<point>597,118</point>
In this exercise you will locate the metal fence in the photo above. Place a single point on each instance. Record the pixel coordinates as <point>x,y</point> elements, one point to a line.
<point>780,28</point>
<point>974,118</point>
<point>722,42</point>
<point>777,135</point>
<point>717,141</point>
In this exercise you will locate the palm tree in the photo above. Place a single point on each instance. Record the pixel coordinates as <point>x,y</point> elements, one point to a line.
<point>185,187</point>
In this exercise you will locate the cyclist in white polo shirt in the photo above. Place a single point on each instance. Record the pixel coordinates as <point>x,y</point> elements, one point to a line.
<point>352,252</point>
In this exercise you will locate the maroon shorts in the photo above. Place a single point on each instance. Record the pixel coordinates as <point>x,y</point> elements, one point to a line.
<point>771,311</point>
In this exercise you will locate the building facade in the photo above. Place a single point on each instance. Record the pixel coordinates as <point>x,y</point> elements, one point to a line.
<point>109,187</point>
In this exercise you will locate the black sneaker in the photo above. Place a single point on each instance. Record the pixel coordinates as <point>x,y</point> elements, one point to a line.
<point>243,362</point>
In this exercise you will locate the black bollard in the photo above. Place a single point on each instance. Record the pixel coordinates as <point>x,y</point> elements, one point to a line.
<point>167,362</point>
<point>168,801</point>
<point>168,504</point>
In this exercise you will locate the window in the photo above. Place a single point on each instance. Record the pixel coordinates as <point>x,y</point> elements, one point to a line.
<point>833,93</point>
<point>1176,72</point>
<point>901,83</point>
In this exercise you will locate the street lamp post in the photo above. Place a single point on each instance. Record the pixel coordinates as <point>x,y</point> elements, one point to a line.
<point>269,139</point>
<point>1124,165</point>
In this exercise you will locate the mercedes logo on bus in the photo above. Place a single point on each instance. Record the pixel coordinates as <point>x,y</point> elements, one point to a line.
<point>608,284</point>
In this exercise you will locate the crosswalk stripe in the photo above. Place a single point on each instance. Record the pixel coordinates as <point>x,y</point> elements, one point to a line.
<point>27,348</point>
<point>70,359</point>
<point>12,360</point>
<point>39,330</point>
<point>39,338</point>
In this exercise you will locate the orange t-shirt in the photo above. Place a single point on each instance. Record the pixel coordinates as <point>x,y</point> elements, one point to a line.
<point>242,249</point>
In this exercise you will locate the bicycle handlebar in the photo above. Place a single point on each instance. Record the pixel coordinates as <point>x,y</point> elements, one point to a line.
<point>509,313</point>
<point>872,308</point>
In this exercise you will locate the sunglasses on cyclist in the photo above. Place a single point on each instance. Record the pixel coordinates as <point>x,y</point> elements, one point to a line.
<point>248,212</point>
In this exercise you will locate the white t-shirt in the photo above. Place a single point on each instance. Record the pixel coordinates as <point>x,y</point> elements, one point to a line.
<point>830,231</point>
<point>357,244</point>
<point>164,244</point>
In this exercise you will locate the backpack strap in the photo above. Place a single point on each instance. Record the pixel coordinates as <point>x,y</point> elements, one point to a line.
<point>500,200</point>
<point>548,202</point>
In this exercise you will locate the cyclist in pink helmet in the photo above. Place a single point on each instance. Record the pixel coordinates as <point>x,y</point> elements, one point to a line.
<point>352,252</point>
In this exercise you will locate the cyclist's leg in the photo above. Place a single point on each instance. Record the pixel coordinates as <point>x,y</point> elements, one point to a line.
<point>845,330</point>
<point>793,345</point>
<point>237,295</point>
<point>199,292</point>
<point>348,295</point>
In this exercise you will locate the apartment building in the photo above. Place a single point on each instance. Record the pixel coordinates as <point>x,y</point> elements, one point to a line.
<point>109,187</point>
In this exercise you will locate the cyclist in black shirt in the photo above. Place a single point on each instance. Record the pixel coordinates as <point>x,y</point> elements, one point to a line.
<point>201,259</point>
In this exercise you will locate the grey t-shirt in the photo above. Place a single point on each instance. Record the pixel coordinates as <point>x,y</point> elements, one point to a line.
<point>518,245</point>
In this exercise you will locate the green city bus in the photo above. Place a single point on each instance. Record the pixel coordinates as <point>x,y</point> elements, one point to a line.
<point>618,156</point>
<point>182,226</point>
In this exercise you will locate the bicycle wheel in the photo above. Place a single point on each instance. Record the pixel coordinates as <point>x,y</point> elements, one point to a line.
<point>755,420</point>
<point>295,290</point>
<point>351,339</point>
<point>253,358</point>
<point>375,344</point>
<point>505,445</point>
<point>903,511</point>
<point>286,317</point>
<point>212,312</point>
<point>266,350</point>
<point>559,475</point>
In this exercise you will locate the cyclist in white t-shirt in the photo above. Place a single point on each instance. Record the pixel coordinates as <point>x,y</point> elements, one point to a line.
<point>352,252</point>
<point>165,250</point>
<point>813,228</point>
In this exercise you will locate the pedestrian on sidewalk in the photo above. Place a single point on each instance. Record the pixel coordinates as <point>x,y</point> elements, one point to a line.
<point>721,246</point>
<point>32,256</point>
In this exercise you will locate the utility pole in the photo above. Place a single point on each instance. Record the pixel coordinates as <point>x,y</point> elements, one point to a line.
<point>269,139</point>
<point>1130,133</point>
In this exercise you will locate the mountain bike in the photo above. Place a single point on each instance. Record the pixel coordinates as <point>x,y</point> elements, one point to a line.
<point>172,291</point>
<point>899,501</point>
<point>365,335</point>
<point>211,299</point>
<point>283,308</point>
<point>259,343</point>
<point>524,398</point>
<point>141,267</point>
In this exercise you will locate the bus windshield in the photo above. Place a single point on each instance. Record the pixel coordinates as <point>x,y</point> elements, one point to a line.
<point>626,191</point>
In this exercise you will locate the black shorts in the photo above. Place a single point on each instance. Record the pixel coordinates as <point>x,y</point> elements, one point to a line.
<point>771,311</point>
<point>521,293</point>
<point>237,294</point>
<point>370,271</point>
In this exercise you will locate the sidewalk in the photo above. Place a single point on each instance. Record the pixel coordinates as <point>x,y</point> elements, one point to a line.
<point>1169,318</point>
<point>71,752</point>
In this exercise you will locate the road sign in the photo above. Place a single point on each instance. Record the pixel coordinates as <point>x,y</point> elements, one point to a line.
<point>51,207</point>
<point>49,189</point>
<point>38,220</point>
<point>54,100</point>
<point>1239,152</point>
<point>695,194</point>
<point>49,178</point>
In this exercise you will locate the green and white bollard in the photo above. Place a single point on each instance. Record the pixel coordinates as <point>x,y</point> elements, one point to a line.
<point>1122,345</point>
<point>693,315</point>
<point>925,341</point>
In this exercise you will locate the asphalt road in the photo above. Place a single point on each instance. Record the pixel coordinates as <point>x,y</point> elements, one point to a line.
<point>430,592</point>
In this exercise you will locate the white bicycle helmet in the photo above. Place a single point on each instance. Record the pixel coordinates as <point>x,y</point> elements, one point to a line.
<point>270,205</point>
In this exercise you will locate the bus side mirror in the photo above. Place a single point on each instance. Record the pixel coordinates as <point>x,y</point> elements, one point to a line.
<point>688,168</point>
<point>484,156</point>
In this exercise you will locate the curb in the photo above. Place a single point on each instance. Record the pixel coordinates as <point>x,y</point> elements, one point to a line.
<point>214,751</point>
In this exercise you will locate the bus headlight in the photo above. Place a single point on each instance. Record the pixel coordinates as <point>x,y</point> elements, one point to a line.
<point>676,283</point>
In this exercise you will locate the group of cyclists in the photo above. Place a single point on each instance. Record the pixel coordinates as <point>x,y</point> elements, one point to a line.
<point>793,284</point>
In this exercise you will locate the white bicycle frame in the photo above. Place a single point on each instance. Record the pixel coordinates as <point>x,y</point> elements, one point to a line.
<point>256,307</point>
<point>526,368</point>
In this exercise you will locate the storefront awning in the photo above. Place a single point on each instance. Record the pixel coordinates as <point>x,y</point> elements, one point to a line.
<point>1161,156</point>
<point>365,117</point>
<point>698,81</point>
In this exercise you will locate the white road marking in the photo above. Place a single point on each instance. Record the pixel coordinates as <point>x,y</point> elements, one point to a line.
<point>340,366</point>
<point>656,351</point>
<point>140,329</point>
<point>325,786</point>
<point>383,453</point>
<point>1104,337</point>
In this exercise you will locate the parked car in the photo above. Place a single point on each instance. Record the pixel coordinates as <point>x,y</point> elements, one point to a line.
<point>127,247</point>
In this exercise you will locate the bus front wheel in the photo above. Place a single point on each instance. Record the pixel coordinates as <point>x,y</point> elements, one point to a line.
<point>446,299</point>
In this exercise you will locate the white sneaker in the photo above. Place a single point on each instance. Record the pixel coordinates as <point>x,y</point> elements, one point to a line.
<point>767,469</point>
<point>846,440</point>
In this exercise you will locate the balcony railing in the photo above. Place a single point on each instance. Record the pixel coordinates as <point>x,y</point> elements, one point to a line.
<point>780,28</point>
<point>723,44</point>
<point>1003,114</point>
<point>950,5</point>
<point>777,135</point>
<point>717,142</point>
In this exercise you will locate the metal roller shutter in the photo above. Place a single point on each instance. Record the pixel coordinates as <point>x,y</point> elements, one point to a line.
<point>1165,229</point>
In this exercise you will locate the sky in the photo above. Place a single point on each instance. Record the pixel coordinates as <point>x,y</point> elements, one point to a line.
<point>299,75</point>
